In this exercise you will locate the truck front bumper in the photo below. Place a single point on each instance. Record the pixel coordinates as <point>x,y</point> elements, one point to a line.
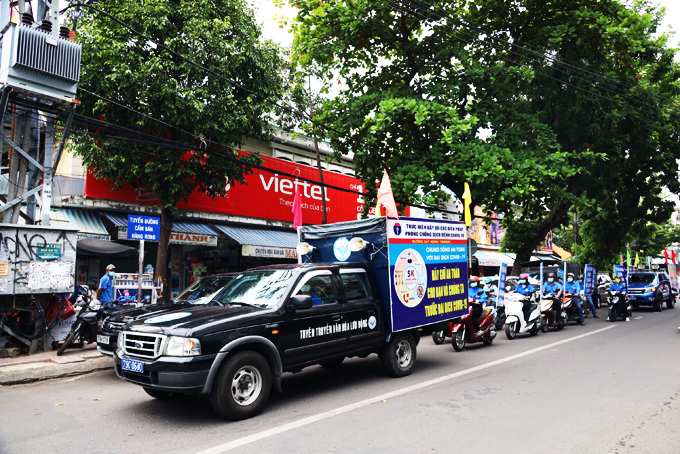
<point>167,373</point>
<point>645,298</point>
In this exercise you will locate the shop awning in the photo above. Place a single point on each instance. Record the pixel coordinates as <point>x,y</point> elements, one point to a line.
<point>86,221</point>
<point>561,252</point>
<point>492,258</point>
<point>189,233</point>
<point>97,248</point>
<point>263,243</point>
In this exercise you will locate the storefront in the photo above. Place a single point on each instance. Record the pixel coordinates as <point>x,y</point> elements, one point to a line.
<point>259,247</point>
<point>489,262</point>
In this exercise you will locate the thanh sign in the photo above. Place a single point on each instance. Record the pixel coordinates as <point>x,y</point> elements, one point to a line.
<point>143,228</point>
<point>191,239</point>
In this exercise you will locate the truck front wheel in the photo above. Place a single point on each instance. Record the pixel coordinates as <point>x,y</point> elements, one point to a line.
<point>398,356</point>
<point>242,386</point>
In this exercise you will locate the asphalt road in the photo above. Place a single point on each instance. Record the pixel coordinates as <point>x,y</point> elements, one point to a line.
<point>603,388</point>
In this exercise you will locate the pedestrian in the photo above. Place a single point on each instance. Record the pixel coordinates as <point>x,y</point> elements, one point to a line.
<point>105,290</point>
<point>588,297</point>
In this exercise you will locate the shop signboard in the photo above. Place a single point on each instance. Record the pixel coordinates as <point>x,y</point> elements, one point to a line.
<point>50,251</point>
<point>192,239</point>
<point>269,252</point>
<point>266,194</point>
<point>428,271</point>
<point>673,272</point>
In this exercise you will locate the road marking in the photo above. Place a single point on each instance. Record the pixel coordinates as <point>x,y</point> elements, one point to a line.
<point>399,392</point>
<point>638,318</point>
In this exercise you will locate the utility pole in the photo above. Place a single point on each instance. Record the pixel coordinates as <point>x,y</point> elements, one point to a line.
<point>316,147</point>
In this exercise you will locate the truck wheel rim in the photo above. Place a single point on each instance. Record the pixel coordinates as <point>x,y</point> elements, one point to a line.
<point>246,385</point>
<point>404,353</point>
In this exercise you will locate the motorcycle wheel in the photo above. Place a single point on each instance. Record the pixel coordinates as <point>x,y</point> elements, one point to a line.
<point>69,338</point>
<point>511,330</point>
<point>533,331</point>
<point>544,325</point>
<point>458,341</point>
<point>438,337</point>
<point>612,315</point>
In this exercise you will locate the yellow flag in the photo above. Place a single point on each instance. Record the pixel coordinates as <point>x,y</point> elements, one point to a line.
<point>637,259</point>
<point>467,198</point>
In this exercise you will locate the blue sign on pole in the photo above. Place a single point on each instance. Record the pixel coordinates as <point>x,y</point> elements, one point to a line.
<point>502,278</point>
<point>589,280</point>
<point>143,228</point>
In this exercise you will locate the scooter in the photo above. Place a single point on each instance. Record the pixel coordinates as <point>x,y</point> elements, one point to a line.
<point>88,319</point>
<point>463,331</point>
<point>552,313</point>
<point>570,308</point>
<point>619,306</point>
<point>516,323</point>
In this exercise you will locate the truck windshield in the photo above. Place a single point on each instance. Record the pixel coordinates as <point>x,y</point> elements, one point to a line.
<point>258,288</point>
<point>202,292</point>
<point>641,279</point>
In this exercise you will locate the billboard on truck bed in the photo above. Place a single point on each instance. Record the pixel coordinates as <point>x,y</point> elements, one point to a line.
<point>428,271</point>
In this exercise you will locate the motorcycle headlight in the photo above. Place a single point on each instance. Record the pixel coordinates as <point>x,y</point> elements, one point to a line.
<point>182,346</point>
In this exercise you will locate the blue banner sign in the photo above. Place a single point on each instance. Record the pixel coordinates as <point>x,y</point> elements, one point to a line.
<point>502,278</point>
<point>590,274</point>
<point>143,228</point>
<point>428,271</point>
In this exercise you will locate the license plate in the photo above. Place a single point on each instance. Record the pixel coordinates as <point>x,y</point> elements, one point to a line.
<point>102,339</point>
<point>133,366</point>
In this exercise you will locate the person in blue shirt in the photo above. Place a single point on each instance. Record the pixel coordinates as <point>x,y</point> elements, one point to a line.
<point>551,287</point>
<point>573,289</point>
<point>105,290</point>
<point>619,286</point>
<point>524,287</point>
<point>477,300</point>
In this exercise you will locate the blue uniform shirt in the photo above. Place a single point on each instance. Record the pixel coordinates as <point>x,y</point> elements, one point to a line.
<point>618,287</point>
<point>553,288</point>
<point>106,284</point>
<point>572,287</point>
<point>472,293</point>
<point>522,290</point>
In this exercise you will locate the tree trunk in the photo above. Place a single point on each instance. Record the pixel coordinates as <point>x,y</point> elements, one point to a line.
<point>162,256</point>
<point>523,255</point>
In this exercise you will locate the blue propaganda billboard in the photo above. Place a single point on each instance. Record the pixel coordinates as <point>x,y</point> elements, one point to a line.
<point>428,271</point>
<point>589,279</point>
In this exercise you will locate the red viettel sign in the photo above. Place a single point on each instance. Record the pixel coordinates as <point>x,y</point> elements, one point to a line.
<point>266,195</point>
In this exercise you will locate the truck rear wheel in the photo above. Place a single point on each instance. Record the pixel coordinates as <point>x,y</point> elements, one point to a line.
<point>242,386</point>
<point>398,356</point>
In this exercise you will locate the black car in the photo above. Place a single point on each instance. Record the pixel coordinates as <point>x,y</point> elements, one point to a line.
<point>270,320</point>
<point>200,293</point>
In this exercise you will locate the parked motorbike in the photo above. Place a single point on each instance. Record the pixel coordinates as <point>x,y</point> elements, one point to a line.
<point>517,322</point>
<point>88,320</point>
<point>463,331</point>
<point>552,313</point>
<point>619,306</point>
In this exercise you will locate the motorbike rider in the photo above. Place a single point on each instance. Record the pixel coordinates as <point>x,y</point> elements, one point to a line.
<point>525,289</point>
<point>573,289</point>
<point>551,287</point>
<point>476,294</point>
<point>489,288</point>
<point>588,297</point>
<point>619,286</point>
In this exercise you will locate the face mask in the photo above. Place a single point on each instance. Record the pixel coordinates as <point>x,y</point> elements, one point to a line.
<point>112,273</point>
<point>522,281</point>
<point>473,284</point>
<point>550,279</point>
<point>570,280</point>
<point>580,280</point>
<point>618,281</point>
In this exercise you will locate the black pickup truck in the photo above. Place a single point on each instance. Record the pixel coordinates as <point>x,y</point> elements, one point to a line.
<point>270,320</point>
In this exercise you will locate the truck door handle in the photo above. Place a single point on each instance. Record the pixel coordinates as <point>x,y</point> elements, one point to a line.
<point>336,318</point>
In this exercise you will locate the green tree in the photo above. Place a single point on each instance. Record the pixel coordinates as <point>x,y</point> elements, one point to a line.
<point>222,36</point>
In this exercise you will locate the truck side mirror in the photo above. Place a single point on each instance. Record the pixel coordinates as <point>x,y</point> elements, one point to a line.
<point>299,302</point>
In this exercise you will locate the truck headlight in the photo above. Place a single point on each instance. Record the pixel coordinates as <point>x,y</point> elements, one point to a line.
<point>182,346</point>
<point>120,340</point>
<point>651,289</point>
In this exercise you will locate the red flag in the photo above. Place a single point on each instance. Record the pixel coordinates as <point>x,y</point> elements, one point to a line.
<point>386,198</point>
<point>297,208</point>
<point>665,253</point>
<point>673,256</point>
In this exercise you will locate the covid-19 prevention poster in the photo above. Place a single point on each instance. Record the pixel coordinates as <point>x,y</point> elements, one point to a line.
<point>428,271</point>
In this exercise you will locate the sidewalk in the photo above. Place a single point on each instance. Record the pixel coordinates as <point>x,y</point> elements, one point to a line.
<point>47,365</point>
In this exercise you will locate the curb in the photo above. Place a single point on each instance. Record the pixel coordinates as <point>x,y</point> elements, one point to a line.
<point>46,370</point>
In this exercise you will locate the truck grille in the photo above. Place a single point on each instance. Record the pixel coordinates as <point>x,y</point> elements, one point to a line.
<point>143,345</point>
<point>636,291</point>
